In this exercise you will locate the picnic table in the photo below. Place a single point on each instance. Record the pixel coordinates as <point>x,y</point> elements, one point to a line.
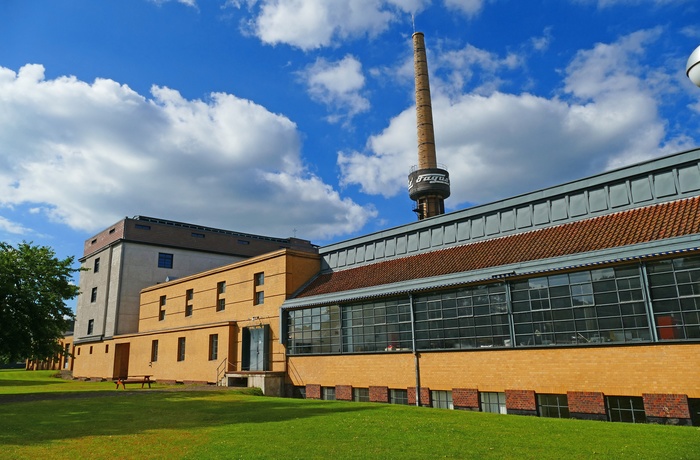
<point>142,379</point>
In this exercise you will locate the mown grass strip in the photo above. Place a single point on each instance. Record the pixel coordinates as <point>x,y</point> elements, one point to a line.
<point>229,424</point>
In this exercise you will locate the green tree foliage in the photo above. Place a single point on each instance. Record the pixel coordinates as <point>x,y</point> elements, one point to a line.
<point>34,287</point>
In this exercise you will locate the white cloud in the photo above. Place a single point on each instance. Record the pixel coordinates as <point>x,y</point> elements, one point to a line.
<point>611,3</point>
<point>87,154</point>
<point>310,24</point>
<point>469,7</point>
<point>15,228</point>
<point>497,145</point>
<point>338,85</point>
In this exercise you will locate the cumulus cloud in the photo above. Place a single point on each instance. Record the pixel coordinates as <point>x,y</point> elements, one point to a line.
<point>338,85</point>
<point>311,24</point>
<point>497,144</point>
<point>87,154</point>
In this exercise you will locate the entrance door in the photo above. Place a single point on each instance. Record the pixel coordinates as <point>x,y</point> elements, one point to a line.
<point>121,360</point>
<point>256,348</point>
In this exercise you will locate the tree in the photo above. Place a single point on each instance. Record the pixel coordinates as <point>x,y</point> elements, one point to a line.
<point>34,287</point>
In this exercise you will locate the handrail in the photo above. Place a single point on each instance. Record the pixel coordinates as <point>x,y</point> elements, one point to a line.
<point>221,372</point>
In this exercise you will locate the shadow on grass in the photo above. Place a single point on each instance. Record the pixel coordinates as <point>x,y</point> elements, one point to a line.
<point>133,412</point>
<point>26,383</point>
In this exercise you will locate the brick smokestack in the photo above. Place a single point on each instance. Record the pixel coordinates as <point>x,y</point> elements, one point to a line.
<point>428,183</point>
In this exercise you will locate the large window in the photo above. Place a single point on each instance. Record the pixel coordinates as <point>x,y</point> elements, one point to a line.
<point>377,326</point>
<point>553,405</point>
<point>314,330</point>
<point>493,402</point>
<point>626,409</point>
<point>463,318</point>
<point>588,307</point>
<point>675,294</point>
<point>165,260</point>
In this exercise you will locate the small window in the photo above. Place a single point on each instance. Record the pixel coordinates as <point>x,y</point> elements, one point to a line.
<point>554,405</point>
<point>93,241</point>
<point>78,351</point>
<point>360,394</point>
<point>181,349</point>
<point>91,326</point>
<point>213,347</point>
<point>328,393</point>
<point>626,409</point>
<point>197,235</point>
<point>259,279</point>
<point>441,399</point>
<point>221,287</point>
<point>93,295</point>
<point>243,242</point>
<point>107,348</point>
<point>161,309</point>
<point>188,302</point>
<point>165,260</point>
<point>220,291</point>
<point>259,298</point>
<point>221,305</point>
<point>154,351</point>
<point>96,265</point>
<point>493,402</point>
<point>111,231</point>
<point>143,227</point>
<point>90,349</point>
<point>398,396</point>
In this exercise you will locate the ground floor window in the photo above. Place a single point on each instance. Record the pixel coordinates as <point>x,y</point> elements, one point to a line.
<point>154,351</point>
<point>553,405</point>
<point>181,349</point>
<point>626,409</point>
<point>493,402</point>
<point>441,399</point>
<point>360,394</point>
<point>398,396</point>
<point>328,393</point>
<point>213,347</point>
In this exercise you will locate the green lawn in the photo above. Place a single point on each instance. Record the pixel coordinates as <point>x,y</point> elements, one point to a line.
<point>229,424</point>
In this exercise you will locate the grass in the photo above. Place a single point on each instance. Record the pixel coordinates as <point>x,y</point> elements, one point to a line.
<point>232,424</point>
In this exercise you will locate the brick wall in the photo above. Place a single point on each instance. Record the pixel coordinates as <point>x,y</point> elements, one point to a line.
<point>521,402</point>
<point>424,396</point>
<point>587,405</point>
<point>343,392</point>
<point>671,409</point>
<point>313,391</point>
<point>465,398</point>
<point>379,394</point>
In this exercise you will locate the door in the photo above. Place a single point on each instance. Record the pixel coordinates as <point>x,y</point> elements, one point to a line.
<point>256,348</point>
<point>121,361</point>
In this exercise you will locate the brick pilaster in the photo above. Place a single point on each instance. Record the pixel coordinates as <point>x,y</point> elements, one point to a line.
<point>424,396</point>
<point>313,391</point>
<point>587,405</point>
<point>379,394</point>
<point>465,399</point>
<point>521,402</point>
<point>343,392</point>
<point>667,409</point>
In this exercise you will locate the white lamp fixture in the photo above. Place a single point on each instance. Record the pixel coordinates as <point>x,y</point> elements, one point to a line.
<point>692,68</point>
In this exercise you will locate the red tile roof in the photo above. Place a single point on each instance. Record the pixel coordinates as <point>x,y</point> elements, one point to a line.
<point>651,223</point>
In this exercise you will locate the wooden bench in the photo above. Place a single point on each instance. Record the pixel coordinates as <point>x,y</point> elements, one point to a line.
<point>142,379</point>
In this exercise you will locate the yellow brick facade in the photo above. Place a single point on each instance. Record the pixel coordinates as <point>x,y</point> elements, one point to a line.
<point>623,370</point>
<point>273,276</point>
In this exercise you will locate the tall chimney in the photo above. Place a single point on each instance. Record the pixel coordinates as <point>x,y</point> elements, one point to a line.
<point>428,184</point>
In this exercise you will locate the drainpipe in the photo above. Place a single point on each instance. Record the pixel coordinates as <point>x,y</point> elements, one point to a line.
<point>415,350</point>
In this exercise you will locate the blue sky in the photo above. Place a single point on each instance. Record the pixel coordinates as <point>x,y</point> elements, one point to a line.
<point>296,117</point>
